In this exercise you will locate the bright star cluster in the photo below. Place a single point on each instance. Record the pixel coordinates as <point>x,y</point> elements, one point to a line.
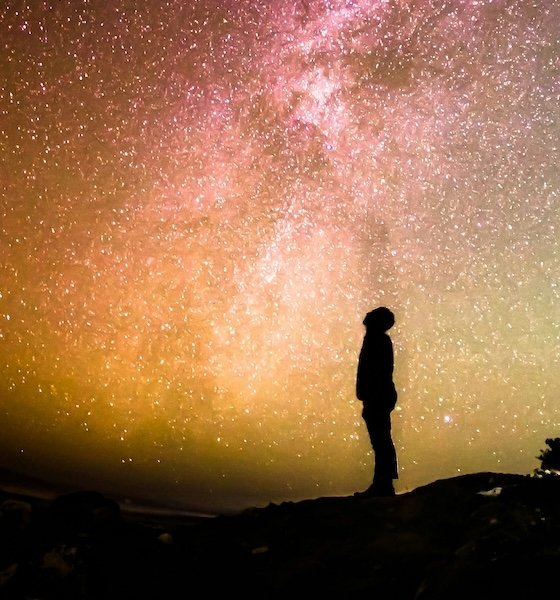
<point>201,199</point>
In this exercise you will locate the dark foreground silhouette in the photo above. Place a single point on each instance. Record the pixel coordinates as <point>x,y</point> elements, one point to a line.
<point>484,536</point>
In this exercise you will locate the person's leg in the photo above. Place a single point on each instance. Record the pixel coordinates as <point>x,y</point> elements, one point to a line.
<point>385,457</point>
<point>385,454</point>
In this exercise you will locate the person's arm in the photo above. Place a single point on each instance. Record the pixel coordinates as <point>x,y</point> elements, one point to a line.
<point>360,376</point>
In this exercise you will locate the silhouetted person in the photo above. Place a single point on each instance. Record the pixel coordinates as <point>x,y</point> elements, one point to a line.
<point>376,390</point>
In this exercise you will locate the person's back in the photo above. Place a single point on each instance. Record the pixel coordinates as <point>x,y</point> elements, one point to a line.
<point>375,366</point>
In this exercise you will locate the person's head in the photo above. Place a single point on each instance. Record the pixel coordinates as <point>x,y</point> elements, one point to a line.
<point>379,319</point>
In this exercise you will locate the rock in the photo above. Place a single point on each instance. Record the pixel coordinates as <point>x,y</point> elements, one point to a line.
<point>7,574</point>
<point>15,515</point>
<point>86,512</point>
<point>60,559</point>
<point>165,538</point>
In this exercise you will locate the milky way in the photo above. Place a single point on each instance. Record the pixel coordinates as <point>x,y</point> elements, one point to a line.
<point>200,200</point>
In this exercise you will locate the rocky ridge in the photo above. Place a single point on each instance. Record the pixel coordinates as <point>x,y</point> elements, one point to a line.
<point>484,535</point>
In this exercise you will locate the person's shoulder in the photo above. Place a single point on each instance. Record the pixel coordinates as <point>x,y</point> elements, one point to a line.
<point>387,338</point>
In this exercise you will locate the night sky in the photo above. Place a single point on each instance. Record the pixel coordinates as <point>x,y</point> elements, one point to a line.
<point>199,202</point>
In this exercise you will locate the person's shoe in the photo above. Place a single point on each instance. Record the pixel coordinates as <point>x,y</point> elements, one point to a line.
<point>377,491</point>
<point>369,493</point>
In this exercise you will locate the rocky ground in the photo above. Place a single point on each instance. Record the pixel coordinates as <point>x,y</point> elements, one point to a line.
<point>485,535</point>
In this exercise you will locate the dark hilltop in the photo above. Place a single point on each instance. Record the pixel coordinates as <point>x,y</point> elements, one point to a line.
<point>483,535</point>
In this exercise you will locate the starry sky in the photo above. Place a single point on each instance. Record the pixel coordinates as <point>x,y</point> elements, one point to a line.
<point>201,199</point>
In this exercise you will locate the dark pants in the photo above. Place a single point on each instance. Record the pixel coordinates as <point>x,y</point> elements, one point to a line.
<point>378,422</point>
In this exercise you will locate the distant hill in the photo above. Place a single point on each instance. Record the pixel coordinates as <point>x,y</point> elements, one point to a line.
<point>24,485</point>
<point>479,536</point>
